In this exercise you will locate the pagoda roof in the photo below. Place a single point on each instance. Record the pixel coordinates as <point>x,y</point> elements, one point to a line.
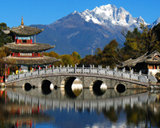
<point>149,58</point>
<point>34,47</point>
<point>23,30</point>
<point>29,60</point>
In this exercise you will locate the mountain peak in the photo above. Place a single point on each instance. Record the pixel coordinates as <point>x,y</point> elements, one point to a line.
<point>107,6</point>
<point>154,23</point>
<point>107,14</point>
<point>75,12</point>
<point>158,20</point>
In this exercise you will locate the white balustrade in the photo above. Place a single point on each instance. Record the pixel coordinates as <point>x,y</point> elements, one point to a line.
<point>88,70</point>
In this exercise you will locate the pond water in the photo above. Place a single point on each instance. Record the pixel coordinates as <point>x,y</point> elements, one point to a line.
<point>21,107</point>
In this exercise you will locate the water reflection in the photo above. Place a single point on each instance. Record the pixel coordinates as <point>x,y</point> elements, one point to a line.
<point>33,108</point>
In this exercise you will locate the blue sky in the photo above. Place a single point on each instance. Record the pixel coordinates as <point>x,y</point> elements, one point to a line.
<point>48,11</point>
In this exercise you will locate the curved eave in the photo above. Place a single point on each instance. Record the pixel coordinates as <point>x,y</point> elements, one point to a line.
<point>25,48</point>
<point>24,34</point>
<point>153,62</point>
<point>29,60</point>
<point>23,30</point>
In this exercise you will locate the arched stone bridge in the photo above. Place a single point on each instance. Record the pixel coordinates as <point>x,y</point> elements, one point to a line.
<point>87,76</point>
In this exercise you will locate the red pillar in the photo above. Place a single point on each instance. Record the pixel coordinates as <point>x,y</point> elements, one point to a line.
<point>17,124</point>
<point>18,111</point>
<point>8,70</point>
<point>30,124</point>
<point>17,41</point>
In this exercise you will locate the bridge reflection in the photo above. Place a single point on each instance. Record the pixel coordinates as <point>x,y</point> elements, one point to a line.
<point>57,99</point>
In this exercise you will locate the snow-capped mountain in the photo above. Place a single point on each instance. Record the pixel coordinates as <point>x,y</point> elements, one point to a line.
<point>154,23</point>
<point>86,31</point>
<point>109,13</point>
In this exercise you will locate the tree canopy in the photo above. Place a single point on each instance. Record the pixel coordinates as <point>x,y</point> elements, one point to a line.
<point>3,37</point>
<point>136,44</point>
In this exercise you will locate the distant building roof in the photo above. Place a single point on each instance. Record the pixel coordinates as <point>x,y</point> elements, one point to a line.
<point>35,47</point>
<point>149,58</point>
<point>30,60</point>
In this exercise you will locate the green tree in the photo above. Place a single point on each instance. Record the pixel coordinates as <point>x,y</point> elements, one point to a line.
<point>53,54</point>
<point>76,55</point>
<point>138,43</point>
<point>156,30</point>
<point>67,60</point>
<point>88,60</point>
<point>107,57</point>
<point>132,44</point>
<point>109,54</point>
<point>3,37</point>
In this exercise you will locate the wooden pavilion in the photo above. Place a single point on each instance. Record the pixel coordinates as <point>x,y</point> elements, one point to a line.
<point>148,63</point>
<point>25,50</point>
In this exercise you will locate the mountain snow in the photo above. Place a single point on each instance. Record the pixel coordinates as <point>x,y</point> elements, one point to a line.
<point>154,23</point>
<point>106,14</point>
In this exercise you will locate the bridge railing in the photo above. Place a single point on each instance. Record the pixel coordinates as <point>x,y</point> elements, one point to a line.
<point>88,70</point>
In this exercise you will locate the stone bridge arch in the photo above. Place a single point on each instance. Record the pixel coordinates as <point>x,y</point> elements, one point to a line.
<point>86,80</point>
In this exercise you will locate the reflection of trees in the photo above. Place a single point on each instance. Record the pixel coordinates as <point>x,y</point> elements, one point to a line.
<point>2,116</point>
<point>111,114</point>
<point>137,115</point>
<point>154,118</point>
<point>3,113</point>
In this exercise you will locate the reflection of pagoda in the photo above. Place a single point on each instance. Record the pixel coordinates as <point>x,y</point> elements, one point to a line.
<point>24,49</point>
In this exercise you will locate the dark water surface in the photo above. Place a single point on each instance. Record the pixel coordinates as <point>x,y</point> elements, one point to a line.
<point>58,109</point>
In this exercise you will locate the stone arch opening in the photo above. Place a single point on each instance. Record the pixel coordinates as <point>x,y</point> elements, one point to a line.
<point>120,88</point>
<point>99,88</point>
<point>47,87</point>
<point>157,75</point>
<point>27,86</point>
<point>73,87</point>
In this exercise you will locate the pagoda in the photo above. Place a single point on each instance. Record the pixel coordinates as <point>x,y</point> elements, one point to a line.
<point>25,50</point>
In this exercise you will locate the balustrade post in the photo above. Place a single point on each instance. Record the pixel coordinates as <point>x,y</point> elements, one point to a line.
<point>123,71</point>
<point>140,73</point>
<point>68,68</point>
<point>39,70</point>
<point>75,68</point>
<point>131,72</point>
<point>99,67</point>
<point>53,69</point>
<point>45,70</point>
<point>60,68</point>
<point>83,69</point>
<point>106,70</point>
<point>90,69</point>
<point>71,68</point>
<point>115,70</point>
